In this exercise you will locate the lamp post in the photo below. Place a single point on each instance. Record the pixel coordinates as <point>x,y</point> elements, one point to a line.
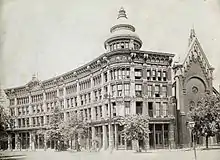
<point>111,143</point>
<point>191,126</point>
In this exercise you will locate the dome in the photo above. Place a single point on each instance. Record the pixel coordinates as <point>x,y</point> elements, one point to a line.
<point>122,30</point>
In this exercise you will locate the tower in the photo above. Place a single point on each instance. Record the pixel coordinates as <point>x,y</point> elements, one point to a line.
<point>122,35</point>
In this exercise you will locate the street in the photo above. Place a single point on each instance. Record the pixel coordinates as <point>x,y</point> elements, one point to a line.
<point>128,155</point>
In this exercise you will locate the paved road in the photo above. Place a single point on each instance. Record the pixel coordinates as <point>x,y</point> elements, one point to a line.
<point>125,155</point>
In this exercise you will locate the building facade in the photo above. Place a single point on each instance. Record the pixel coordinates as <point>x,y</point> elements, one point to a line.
<point>137,82</point>
<point>192,80</point>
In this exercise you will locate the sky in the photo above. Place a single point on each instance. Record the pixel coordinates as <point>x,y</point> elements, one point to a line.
<point>51,37</point>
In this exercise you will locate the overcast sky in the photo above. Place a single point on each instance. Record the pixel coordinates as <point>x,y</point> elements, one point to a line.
<point>52,37</point>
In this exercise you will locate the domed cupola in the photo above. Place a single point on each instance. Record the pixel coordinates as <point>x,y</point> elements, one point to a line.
<point>122,35</point>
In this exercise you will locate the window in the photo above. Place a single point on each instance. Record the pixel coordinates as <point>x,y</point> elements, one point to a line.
<point>123,73</point>
<point>115,74</point>
<point>127,89</point>
<point>119,89</point>
<point>127,107</point>
<point>148,74</point>
<point>75,99</point>
<point>96,96</point>
<point>138,73</point>
<point>165,109</point>
<point>106,108</point>
<point>154,75</point>
<point>100,110</point>
<point>157,109</point>
<point>149,90</point>
<point>164,91</point>
<point>157,91</point>
<point>150,109</point>
<point>127,75</point>
<point>164,75</point>
<point>105,77</point>
<point>27,122</point>
<point>81,99</point>
<point>139,106</point>
<point>48,119</point>
<point>138,90</point>
<point>119,74</point>
<point>100,94</point>
<point>114,90</point>
<point>96,113</point>
<point>105,90</point>
<point>89,95</point>
<point>90,115</point>
<point>159,75</point>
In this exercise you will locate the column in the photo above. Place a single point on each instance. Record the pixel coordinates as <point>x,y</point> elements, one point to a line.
<point>93,113</point>
<point>111,143</point>
<point>9,142</point>
<point>104,137</point>
<point>30,138</point>
<point>104,111</point>
<point>45,141</point>
<point>38,141</point>
<point>64,97</point>
<point>154,136</point>
<point>171,135</point>
<point>163,134</point>
<point>16,141</point>
<point>116,136</point>
<point>93,133</point>
<point>132,89</point>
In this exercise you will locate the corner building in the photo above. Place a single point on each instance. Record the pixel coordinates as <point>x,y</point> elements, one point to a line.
<point>138,82</point>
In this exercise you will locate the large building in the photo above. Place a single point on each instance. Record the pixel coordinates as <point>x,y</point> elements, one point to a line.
<point>137,82</point>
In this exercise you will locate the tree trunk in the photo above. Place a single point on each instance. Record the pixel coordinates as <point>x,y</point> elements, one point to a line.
<point>207,141</point>
<point>71,143</point>
<point>137,146</point>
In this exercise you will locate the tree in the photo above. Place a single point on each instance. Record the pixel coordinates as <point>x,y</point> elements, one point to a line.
<point>136,127</point>
<point>5,123</point>
<point>206,115</point>
<point>73,128</point>
<point>54,131</point>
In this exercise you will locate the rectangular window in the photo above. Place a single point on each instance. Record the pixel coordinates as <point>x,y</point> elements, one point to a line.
<point>154,75</point>
<point>105,77</point>
<point>106,109</point>
<point>138,73</point>
<point>157,91</point>
<point>139,107</point>
<point>148,74</point>
<point>165,109</point>
<point>89,95</point>
<point>115,74</point>
<point>149,90</point>
<point>96,96</point>
<point>159,75</point>
<point>119,86</point>
<point>100,94</point>
<point>138,90</point>
<point>164,91</point>
<point>119,74</point>
<point>127,107</point>
<point>150,109</point>
<point>164,75</point>
<point>100,110</point>
<point>123,73</point>
<point>127,89</point>
<point>127,75</point>
<point>157,109</point>
<point>114,90</point>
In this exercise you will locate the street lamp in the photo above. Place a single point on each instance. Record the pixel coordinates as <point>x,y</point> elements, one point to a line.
<point>111,145</point>
<point>191,127</point>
